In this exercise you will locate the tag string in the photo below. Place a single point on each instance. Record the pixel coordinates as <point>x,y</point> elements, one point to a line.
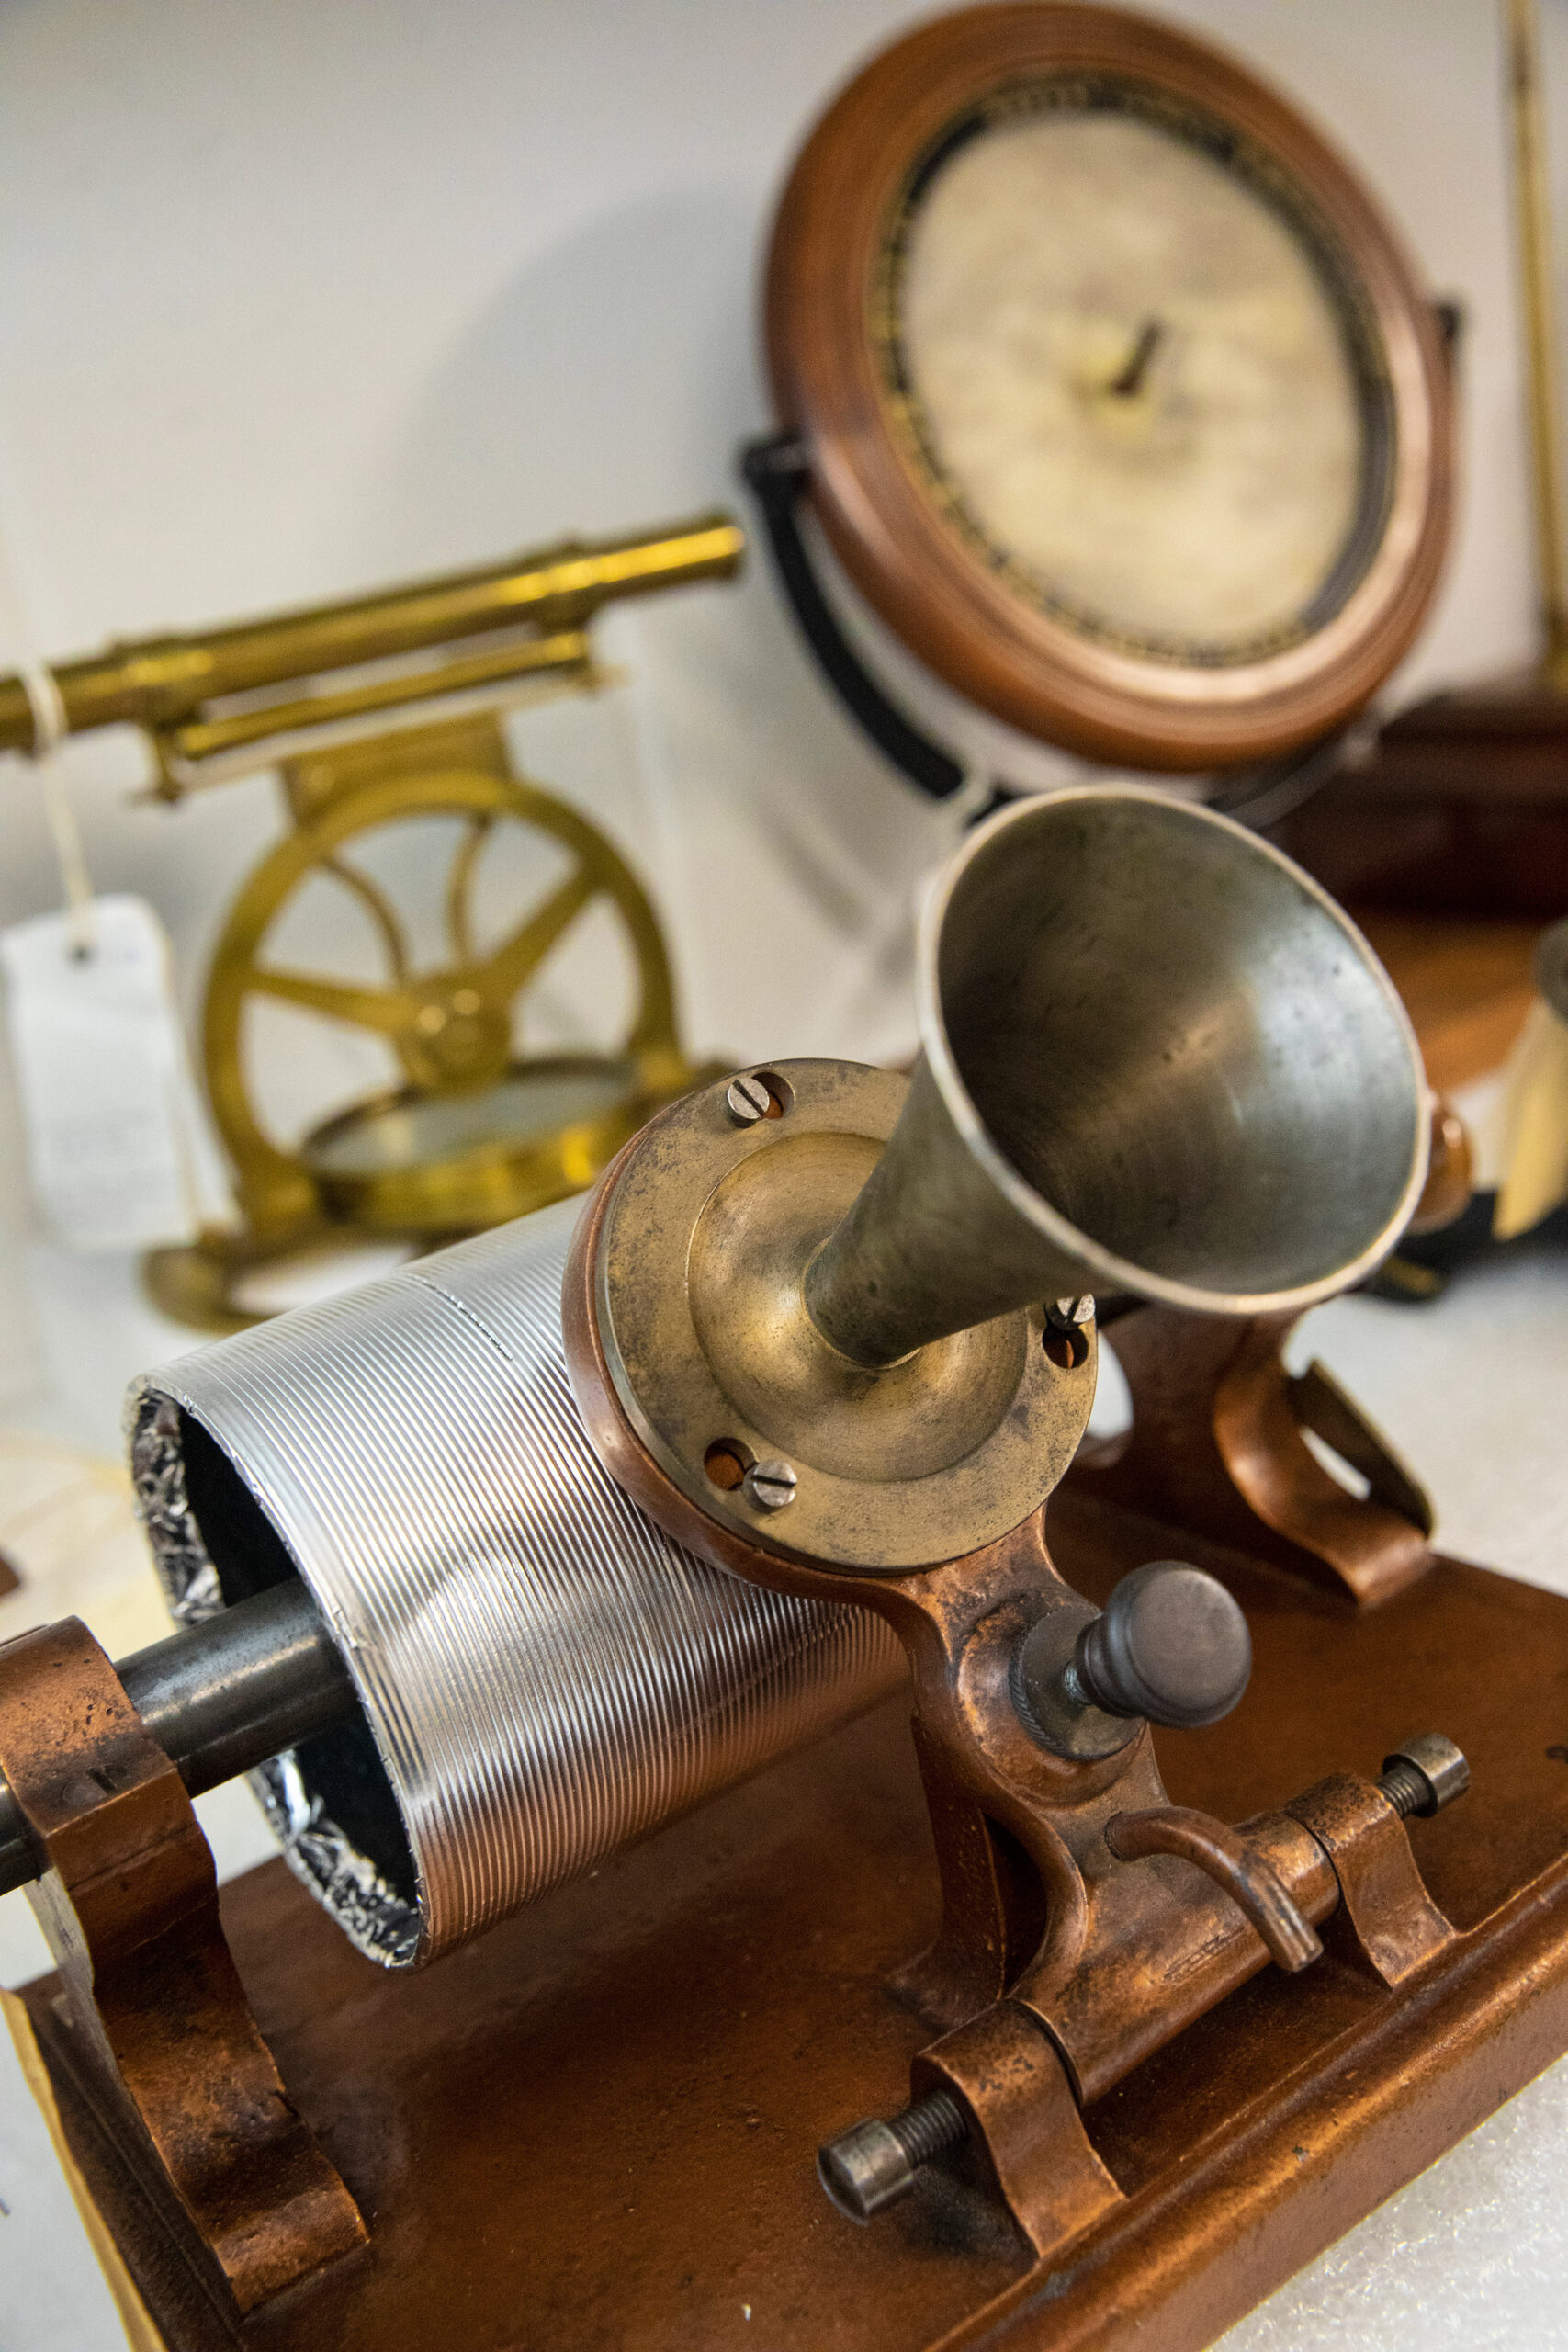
<point>51,728</point>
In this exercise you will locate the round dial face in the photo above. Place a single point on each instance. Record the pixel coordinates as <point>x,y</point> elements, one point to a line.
<point>1134,373</point>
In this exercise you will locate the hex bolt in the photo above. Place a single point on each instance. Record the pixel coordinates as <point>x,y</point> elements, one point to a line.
<point>1424,1776</point>
<point>769,1485</point>
<point>747,1099</point>
<point>868,2169</point>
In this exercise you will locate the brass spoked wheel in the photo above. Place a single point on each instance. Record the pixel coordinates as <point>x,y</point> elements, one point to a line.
<point>478,1130</point>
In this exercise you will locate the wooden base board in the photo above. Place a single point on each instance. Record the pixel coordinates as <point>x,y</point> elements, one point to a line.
<point>597,2127</point>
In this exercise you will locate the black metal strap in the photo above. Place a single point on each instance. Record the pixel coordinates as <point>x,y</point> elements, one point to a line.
<point>775,471</point>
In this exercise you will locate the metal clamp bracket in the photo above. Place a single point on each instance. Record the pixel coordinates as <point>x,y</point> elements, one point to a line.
<point>160,2026</point>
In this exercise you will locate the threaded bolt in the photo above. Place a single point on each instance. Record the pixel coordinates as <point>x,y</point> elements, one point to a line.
<point>868,2169</point>
<point>1424,1776</point>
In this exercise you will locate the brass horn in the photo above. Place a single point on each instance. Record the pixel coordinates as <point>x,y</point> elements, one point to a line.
<point>1157,1059</point>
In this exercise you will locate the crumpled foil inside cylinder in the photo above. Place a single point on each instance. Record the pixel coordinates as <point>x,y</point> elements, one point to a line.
<point>543,1674</point>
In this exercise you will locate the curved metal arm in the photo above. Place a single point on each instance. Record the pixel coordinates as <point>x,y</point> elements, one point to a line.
<point>1251,1882</point>
<point>776,471</point>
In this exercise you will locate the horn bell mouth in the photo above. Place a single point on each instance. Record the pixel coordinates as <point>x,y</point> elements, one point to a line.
<point>1172,1053</point>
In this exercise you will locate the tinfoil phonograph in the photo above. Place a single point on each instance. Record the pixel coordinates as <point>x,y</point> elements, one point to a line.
<point>637,1976</point>
<point>1221,1885</point>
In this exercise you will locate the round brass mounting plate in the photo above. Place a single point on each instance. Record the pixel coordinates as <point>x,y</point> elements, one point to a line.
<point>697,1291</point>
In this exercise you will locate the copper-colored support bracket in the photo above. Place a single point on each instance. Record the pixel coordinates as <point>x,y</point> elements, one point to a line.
<point>1087,1922</point>
<point>1011,2082</point>
<point>160,2024</point>
<point>1217,1446</point>
<point>993,1911</point>
<point>1385,1916</point>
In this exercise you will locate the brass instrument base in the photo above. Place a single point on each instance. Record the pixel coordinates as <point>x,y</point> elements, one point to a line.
<point>202,1283</point>
<point>598,2125</point>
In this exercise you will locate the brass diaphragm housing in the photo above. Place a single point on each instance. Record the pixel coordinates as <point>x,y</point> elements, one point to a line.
<point>699,1290</point>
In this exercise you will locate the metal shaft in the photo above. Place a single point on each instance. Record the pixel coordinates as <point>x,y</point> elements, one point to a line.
<point>221,1698</point>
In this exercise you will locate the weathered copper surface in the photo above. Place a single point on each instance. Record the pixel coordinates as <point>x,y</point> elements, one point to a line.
<point>1235,1863</point>
<point>1040,2155</point>
<point>1216,1446</point>
<point>1384,1910</point>
<point>596,2128</point>
<point>154,2022</point>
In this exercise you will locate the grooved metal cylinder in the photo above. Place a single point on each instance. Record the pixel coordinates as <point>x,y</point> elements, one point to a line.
<point>543,1675</point>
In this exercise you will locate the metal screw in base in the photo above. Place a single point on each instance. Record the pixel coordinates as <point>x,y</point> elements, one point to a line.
<point>747,1099</point>
<point>1424,1776</point>
<point>871,2167</point>
<point>769,1485</point>
<point>1069,1314</point>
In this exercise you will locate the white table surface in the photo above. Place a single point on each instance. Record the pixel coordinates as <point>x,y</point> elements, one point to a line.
<point>1474,1391</point>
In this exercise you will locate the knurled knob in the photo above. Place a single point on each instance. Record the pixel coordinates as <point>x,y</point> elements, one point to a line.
<point>1171,1647</point>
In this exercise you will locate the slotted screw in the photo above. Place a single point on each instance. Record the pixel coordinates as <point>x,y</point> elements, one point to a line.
<point>769,1485</point>
<point>1066,1314</point>
<point>747,1099</point>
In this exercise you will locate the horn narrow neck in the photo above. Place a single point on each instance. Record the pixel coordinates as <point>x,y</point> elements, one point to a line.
<point>928,1246</point>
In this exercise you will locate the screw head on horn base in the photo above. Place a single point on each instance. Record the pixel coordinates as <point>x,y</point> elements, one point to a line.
<point>1145,1036</point>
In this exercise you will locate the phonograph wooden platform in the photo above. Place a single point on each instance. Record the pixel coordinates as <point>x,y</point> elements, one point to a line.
<point>598,2125</point>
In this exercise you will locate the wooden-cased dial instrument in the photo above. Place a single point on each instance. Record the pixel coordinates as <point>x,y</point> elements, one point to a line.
<point>1124,406</point>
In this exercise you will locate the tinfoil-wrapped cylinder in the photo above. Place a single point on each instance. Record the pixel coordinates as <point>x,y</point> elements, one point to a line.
<point>543,1675</point>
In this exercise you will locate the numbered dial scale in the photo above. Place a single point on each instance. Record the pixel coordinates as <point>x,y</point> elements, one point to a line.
<point>1122,404</point>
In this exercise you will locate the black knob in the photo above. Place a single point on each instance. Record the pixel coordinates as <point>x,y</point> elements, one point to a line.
<point>1171,1645</point>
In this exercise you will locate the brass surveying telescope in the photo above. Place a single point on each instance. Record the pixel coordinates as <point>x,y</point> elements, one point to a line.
<point>213,695</point>
<point>383,715</point>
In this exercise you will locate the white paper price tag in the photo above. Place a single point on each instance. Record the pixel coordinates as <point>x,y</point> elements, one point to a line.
<point>119,1151</point>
